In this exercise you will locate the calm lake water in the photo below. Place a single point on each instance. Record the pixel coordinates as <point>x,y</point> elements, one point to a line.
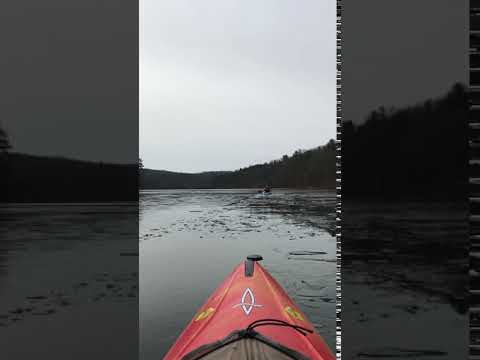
<point>69,266</point>
<point>191,240</point>
<point>405,280</point>
<point>404,271</point>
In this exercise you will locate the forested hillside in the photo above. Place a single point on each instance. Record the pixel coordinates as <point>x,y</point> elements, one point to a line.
<point>314,168</point>
<point>415,152</point>
<point>27,178</point>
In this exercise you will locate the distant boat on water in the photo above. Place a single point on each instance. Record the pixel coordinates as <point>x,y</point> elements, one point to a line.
<point>267,191</point>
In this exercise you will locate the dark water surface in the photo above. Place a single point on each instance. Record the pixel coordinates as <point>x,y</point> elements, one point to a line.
<point>404,271</point>
<point>404,280</point>
<point>69,281</point>
<point>191,240</point>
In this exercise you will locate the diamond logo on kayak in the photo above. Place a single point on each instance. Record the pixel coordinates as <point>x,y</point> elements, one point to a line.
<point>248,302</point>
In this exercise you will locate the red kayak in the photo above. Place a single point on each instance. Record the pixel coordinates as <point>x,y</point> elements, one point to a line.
<point>249,316</point>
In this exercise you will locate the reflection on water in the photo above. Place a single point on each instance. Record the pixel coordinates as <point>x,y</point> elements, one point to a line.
<point>404,271</point>
<point>191,240</point>
<point>69,266</point>
<point>404,280</point>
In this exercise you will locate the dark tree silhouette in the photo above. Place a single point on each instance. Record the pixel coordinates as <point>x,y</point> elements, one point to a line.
<point>5,146</point>
<point>4,141</point>
<point>52,179</point>
<point>415,152</point>
<point>28,178</point>
<point>313,168</point>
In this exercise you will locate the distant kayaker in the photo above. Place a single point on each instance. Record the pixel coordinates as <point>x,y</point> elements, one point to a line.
<point>267,189</point>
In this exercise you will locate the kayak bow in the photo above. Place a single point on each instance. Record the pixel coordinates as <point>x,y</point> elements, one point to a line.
<point>249,316</point>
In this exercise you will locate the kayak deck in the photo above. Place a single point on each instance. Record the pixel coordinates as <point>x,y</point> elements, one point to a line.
<point>249,316</point>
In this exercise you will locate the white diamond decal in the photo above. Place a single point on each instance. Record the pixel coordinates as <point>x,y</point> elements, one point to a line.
<point>248,302</point>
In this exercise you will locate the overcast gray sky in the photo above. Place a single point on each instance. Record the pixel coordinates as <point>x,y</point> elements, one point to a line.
<point>223,84</point>
<point>69,78</point>
<point>398,53</point>
<point>229,83</point>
